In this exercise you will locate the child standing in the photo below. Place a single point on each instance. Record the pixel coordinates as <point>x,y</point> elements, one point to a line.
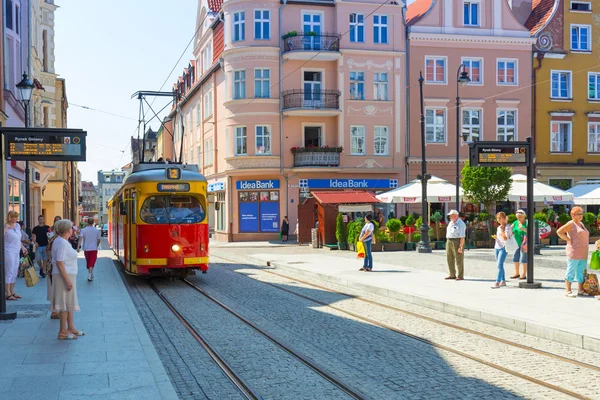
<point>502,235</point>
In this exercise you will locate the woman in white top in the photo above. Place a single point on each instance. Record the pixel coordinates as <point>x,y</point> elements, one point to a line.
<point>64,276</point>
<point>12,249</point>
<point>503,233</point>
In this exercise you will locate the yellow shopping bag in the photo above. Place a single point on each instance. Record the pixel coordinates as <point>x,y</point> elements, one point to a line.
<point>360,250</point>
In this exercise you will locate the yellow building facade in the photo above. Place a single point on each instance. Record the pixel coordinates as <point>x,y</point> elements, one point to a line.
<point>566,92</point>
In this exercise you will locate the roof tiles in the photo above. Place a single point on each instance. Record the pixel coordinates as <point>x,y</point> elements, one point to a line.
<point>417,10</point>
<point>541,13</point>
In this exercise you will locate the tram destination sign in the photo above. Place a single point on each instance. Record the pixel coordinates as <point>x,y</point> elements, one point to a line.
<point>495,154</point>
<point>44,144</point>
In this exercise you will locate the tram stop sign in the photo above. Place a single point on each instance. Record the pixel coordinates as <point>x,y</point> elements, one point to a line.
<point>498,154</point>
<point>44,144</point>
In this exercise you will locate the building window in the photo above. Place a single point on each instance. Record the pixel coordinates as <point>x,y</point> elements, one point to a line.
<point>311,22</point>
<point>380,29</point>
<point>506,129</point>
<point>474,69</point>
<point>239,26</point>
<point>199,154</point>
<point>357,28</point>
<point>580,38</point>
<point>435,125</point>
<point>8,14</point>
<point>107,192</point>
<point>381,140</point>
<point>207,57</point>
<point>594,137</point>
<point>435,70</point>
<point>263,139</point>
<point>471,13</point>
<point>239,84</point>
<point>241,141</point>
<point>357,140</point>
<point>560,139</point>
<point>119,178</point>
<point>198,118</point>
<point>380,86</point>
<point>593,86</point>
<point>357,85</point>
<point>45,50</point>
<point>262,24</point>
<point>471,124</point>
<point>221,211</point>
<point>507,72</point>
<point>581,6</point>
<point>208,155</point>
<point>208,104</point>
<point>262,83</point>
<point>561,85</point>
<point>106,178</point>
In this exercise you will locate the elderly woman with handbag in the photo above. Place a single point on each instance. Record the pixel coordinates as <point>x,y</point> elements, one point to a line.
<point>577,238</point>
<point>12,248</point>
<point>64,276</point>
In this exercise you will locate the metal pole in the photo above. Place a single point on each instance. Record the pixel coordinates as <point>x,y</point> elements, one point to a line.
<point>27,216</point>
<point>424,245</point>
<point>457,142</point>
<point>4,315</point>
<point>530,284</point>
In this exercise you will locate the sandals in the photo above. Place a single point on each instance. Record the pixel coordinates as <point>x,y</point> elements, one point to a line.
<point>11,297</point>
<point>16,296</point>
<point>583,294</point>
<point>79,333</point>
<point>515,276</point>
<point>69,337</point>
<point>570,294</point>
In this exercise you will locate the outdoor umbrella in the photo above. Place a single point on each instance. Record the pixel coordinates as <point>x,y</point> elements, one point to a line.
<point>438,191</point>
<point>541,191</point>
<point>586,192</point>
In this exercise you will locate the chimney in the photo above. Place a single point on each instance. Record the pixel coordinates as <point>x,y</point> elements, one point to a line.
<point>521,9</point>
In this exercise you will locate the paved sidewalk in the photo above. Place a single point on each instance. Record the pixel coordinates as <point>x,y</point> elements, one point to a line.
<point>115,360</point>
<point>545,312</point>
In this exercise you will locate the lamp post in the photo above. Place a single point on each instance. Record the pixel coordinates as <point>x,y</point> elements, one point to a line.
<point>462,78</point>
<point>25,89</point>
<point>424,245</point>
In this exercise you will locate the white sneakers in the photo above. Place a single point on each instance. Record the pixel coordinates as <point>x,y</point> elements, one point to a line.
<point>90,277</point>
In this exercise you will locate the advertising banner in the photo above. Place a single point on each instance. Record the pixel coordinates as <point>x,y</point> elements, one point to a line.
<point>249,217</point>
<point>269,217</point>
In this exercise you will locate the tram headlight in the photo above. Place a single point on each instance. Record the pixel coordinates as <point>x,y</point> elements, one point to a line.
<point>175,248</point>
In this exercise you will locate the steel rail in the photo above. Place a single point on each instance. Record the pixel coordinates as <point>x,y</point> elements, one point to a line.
<point>232,376</point>
<point>433,344</point>
<point>340,385</point>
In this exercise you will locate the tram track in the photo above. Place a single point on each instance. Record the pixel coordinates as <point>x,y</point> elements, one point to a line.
<point>523,376</point>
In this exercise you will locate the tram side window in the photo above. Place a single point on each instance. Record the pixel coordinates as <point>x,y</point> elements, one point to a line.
<point>165,209</point>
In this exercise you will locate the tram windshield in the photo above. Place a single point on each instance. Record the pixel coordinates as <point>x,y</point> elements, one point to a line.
<point>166,209</point>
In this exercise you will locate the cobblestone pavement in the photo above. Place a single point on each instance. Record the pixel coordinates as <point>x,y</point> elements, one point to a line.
<point>339,341</point>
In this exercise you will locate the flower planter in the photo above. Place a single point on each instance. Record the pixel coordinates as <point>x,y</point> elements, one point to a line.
<point>351,247</point>
<point>440,245</point>
<point>393,247</point>
<point>376,247</point>
<point>553,241</point>
<point>342,246</point>
<point>410,246</point>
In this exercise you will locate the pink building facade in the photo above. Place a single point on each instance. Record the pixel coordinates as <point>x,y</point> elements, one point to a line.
<point>489,39</point>
<point>339,122</point>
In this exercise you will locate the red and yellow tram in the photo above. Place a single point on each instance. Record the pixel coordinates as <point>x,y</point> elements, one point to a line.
<point>158,223</point>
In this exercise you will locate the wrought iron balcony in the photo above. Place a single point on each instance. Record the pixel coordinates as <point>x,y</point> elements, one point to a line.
<point>303,46</point>
<point>317,102</point>
<point>317,159</point>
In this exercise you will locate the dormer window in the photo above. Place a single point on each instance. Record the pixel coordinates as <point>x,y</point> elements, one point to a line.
<point>471,13</point>
<point>583,6</point>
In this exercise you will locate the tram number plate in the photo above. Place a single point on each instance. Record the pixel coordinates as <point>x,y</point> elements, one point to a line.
<point>173,187</point>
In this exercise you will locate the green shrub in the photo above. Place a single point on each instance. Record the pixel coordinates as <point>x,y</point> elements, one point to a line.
<point>290,34</point>
<point>403,220</point>
<point>341,233</point>
<point>415,215</point>
<point>484,216</point>
<point>351,233</point>
<point>470,217</point>
<point>400,238</point>
<point>391,215</point>
<point>383,237</point>
<point>410,220</point>
<point>589,219</point>
<point>563,219</point>
<point>551,216</point>
<point>419,222</point>
<point>511,218</point>
<point>416,238</point>
<point>540,217</point>
<point>393,225</point>
<point>437,216</point>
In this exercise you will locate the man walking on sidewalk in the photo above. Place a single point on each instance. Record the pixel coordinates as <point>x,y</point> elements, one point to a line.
<point>90,237</point>
<point>455,243</point>
<point>40,240</point>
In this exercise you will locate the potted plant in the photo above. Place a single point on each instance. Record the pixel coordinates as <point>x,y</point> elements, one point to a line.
<point>340,232</point>
<point>351,238</point>
<point>357,226</point>
<point>376,245</point>
<point>416,238</point>
<point>410,226</point>
<point>436,218</point>
<point>393,226</point>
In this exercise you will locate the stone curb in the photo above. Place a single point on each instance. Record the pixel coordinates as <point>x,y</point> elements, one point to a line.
<point>518,325</point>
<point>161,379</point>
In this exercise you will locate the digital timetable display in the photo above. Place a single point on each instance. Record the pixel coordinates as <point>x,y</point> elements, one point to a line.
<point>41,144</point>
<point>502,155</point>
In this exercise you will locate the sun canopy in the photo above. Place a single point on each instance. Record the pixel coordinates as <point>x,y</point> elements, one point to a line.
<point>586,192</point>
<point>438,191</point>
<point>541,191</point>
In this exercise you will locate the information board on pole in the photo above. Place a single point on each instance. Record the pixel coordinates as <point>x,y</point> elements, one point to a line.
<point>499,154</point>
<point>44,144</point>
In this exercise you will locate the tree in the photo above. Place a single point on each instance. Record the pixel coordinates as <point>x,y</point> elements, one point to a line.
<point>341,232</point>
<point>485,185</point>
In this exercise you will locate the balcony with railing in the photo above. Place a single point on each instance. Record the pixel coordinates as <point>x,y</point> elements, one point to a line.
<point>303,46</point>
<point>311,102</point>
<point>316,157</point>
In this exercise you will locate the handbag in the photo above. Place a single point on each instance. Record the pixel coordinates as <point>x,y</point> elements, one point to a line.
<point>590,284</point>
<point>511,245</point>
<point>360,250</point>
<point>595,262</point>
<point>31,276</point>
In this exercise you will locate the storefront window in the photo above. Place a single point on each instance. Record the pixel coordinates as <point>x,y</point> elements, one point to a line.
<point>167,209</point>
<point>259,211</point>
<point>15,196</point>
<point>221,211</point>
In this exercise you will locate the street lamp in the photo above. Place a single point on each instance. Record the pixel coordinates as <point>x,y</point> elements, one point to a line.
<point>424,245</point>
<point>25,89</point>
<point>462,78</point>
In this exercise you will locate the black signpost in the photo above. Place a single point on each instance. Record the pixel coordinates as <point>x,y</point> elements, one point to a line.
<point>511,154</point>
<point>35,144</point>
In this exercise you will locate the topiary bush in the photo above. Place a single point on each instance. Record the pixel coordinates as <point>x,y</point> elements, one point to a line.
<point>400,238</point>
<point>416,238</point>
<point>340,229</point>
<point>403,220</point>
<point>393,225</point>
<point>540,217</point>
<point>589,219</point>
<point>563,219</point>
<point>410,220</point>
<point>351,233</point>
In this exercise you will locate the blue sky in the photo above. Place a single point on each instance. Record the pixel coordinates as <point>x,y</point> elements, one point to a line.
<point>107,51</point>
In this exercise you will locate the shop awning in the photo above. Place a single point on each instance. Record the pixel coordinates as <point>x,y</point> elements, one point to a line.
<point>345,197</point>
